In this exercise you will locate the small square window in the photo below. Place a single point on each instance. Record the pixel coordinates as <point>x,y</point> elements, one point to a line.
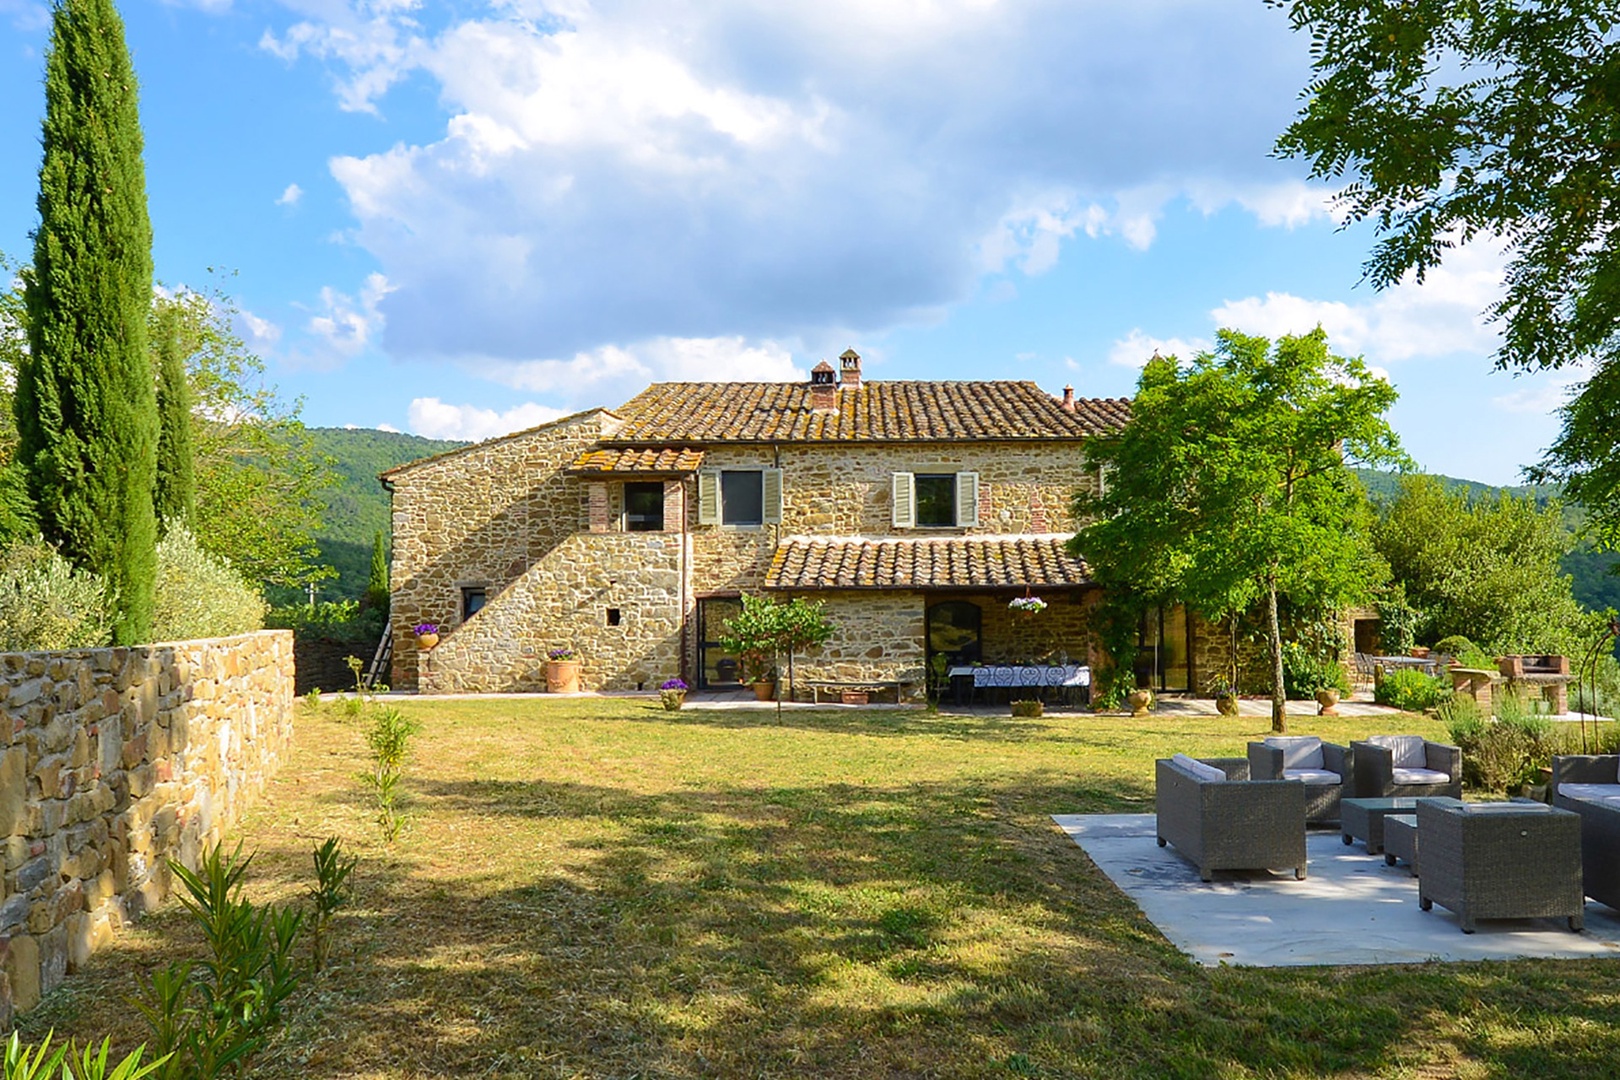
<point>644,508</point>
<point>936,499</point>
<point>742,497</point>
<point>473,598</point>
<point>613,616</point>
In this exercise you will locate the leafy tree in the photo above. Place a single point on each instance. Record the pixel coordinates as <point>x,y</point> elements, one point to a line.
<point>767,630</point>
<point>259,477</point>
<point>1452,119</point>
<point>377,583</point>
<point>175,497</point>
<point>1230,485</point>
<point>85,407</point>
<point>1487,570</point>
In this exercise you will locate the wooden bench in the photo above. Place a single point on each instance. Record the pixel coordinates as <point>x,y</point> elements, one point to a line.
<point>855,692</point>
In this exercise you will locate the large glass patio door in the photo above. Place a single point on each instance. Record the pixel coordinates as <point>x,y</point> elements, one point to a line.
<point>1162,653</point>
<point>717,669</point>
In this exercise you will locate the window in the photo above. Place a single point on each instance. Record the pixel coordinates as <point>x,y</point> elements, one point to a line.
<point>936,500</point>
<point>643,508</point>
<point>740,497</point>
<point>473,598</point>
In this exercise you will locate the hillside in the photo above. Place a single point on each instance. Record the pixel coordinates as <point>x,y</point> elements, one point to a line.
<point>357,507</point>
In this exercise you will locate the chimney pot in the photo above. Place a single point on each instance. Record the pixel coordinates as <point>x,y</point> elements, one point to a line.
<point>850,365</point>
<point>823,391</point>
<point>1068,399</point>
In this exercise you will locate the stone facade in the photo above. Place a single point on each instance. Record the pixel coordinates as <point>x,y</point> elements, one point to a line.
<point>115,761</point>
<point>559,569</point>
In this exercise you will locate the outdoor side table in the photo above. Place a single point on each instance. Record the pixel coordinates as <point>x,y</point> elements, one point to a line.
<point>1401,840</point>
<point>1501,861</point>
<point>1363,819</point>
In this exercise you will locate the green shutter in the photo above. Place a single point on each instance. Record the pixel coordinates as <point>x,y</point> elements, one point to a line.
<point>905,501</point>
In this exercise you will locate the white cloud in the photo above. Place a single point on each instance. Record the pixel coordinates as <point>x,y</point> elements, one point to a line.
<point>290,196</point>
<point>437,420</point>
<point>347,325</point>
<point>1137,348</point>
<point>259,333</point>
<point>26,15</point>
<point>1543,392</point>
<point>388,427</point>
<point>1440,317</point>
<point>636,170</point>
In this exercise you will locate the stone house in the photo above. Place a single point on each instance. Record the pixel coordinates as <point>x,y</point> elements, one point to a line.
<point>915,510</point>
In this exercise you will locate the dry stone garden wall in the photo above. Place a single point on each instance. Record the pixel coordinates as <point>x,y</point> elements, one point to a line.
<point>113,761</point>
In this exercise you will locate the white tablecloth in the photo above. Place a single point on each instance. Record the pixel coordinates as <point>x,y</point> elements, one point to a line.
<point>1025,674</point>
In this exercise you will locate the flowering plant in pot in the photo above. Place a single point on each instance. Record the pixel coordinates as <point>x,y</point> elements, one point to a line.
<point>672,692</point>
<point>1225,695</point>
<point>562,670</point>
<point>427,635</point>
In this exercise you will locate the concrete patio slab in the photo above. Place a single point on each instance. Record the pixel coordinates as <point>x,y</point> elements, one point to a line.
<point>1352,909</point>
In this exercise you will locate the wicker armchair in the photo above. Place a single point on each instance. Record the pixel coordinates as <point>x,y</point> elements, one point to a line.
<point>1326,769</point>
<point>1500,861</point>
<point>1381,773</point>
<point>1577,784</point>
<point>1232,825</point>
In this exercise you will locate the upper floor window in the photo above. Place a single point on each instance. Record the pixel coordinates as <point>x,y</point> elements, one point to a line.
<point>644,507</point>
<point>473,599</point>
<point>740,497</point>
<point>936,500</point>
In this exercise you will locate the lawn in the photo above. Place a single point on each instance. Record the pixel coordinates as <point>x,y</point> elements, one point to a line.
<point>597,888</point>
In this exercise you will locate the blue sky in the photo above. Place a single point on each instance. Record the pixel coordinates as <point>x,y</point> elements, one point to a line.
<point>463,219</point>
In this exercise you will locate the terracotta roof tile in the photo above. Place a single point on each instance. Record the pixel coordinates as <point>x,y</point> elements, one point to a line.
<point>874,411</point>
<point>993,562</point>
<point>662,460</point>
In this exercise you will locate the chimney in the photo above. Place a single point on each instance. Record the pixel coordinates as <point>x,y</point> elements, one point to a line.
<point>1068,399</point>
<point>823,392</point>
<point>850,362</point>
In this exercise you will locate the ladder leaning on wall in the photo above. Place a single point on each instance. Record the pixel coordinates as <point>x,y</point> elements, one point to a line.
<point>381,658</point>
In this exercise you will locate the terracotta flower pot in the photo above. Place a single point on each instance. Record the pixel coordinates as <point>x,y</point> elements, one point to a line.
<point>1028,708</point>
<point>562,676</point>
<point>764,689</point>
<point>1327,701</point>
<point>1141,701</point>
<point>1226,704</point>
<point>426,641</point>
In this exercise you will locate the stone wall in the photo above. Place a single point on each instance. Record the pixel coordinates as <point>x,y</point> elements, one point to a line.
<point>116,760</point>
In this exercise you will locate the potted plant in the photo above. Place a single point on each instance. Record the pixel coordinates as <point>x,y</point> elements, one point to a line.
<point>1028,708</point>
<point>427,635</point>
<point>672,692</point>
<point>1225,694</point>
<point>1327,700</point>
<point>562,670</point>
<point>1141,700</point>
<point>760,674</point>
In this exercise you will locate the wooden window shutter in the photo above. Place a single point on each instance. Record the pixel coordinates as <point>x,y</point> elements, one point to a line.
<point>967,498</point>
<point>771,512</point>
<point>708,496</point>
<point>905,501</point>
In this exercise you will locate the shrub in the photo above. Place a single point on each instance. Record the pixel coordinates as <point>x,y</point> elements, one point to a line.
<point>199,595</point>
<point>1409,690</point>
<point>46,604</point>
<point>1305,674</point>
<point>1465,652</point>
<point>334,620</point>
<point>1500,754</point>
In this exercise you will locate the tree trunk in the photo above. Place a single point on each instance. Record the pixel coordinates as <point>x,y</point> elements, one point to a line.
<point>1279,694</point>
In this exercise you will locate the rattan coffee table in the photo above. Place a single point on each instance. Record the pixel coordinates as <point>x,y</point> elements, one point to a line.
<point>1501,861</point>
<point>1363,819</point>
<point>1401,840</point>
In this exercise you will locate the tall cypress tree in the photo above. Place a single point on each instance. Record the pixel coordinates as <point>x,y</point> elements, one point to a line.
<point>86,408</point>
<point>377,583</point>
<point>175,497</point>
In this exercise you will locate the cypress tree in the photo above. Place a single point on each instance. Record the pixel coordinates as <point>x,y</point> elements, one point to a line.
<point>174,498</point>
<point>377,583</point>
<point>86,408</point>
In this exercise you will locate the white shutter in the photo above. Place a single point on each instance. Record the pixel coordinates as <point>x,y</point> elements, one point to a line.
<point>708,496</point>
<point>771,514</point>
<point>905,501</point>
<point>967,499</point>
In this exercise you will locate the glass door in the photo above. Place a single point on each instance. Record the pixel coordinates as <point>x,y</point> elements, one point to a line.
<point>717,669</point>
<point>1162,652</point>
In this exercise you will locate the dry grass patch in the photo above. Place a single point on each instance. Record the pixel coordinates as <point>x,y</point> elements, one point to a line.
<point>603,889</point>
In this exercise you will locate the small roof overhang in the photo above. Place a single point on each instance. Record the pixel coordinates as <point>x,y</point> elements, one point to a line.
<point>637,462</point>
<point>967,562</point>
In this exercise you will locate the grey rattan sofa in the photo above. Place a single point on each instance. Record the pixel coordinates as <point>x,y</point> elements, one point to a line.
<point>1500,861</point>
<point>1578,783</point>
<point>1381,775</point>
<point>1235,824</point>
<point>1326,769</point>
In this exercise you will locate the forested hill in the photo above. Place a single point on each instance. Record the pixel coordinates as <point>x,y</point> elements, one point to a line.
<point>357,507</point>
<point>1594,582</point>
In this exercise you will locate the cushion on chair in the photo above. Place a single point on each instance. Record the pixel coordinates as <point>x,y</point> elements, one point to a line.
<point>1418,776</point>
<point>1207,773</point>
<point>1406,749</point>
<point>1299,751</point>
<point>1605,794</point>
<point>1313,776</point>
